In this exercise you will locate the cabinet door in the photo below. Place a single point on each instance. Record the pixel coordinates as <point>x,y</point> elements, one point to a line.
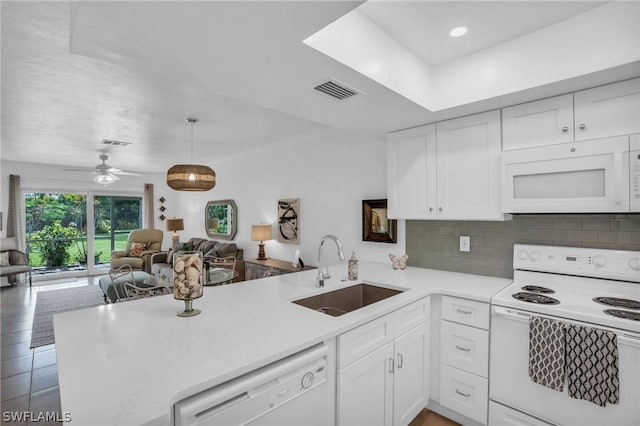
<point>411,379</point>
<point>544,122</point>
<point>253,271</point>
<point>468,175</point>
<point>411,170</point>
<point>610,110</point>
<point>365,389</point>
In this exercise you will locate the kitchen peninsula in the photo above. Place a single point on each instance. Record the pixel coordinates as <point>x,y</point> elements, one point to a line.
<point>128,363</point>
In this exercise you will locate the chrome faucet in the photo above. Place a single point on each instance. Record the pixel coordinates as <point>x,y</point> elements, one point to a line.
<point>321,274</point>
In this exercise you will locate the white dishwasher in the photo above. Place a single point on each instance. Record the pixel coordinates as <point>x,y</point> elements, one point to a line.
<point>292,391</point>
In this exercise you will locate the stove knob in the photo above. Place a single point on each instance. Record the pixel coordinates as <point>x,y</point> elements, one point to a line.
<point>534,256</point>
<point>522,255</point>
<point>307,380</point>
<point>634,264</point>
<point>599,261</point>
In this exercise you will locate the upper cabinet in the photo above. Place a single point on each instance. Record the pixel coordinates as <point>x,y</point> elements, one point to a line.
<point>604,111</point>
<point>449,170</point>
<point>610,110</point>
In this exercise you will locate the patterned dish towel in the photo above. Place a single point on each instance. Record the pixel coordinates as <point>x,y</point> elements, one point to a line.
<point>592,364</point>
<point>546,352</point>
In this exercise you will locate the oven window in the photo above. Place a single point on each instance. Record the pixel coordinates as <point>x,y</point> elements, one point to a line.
<point>574,184</point>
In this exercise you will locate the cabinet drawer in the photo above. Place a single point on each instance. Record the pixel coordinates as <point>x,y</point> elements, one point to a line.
<point>411,315</point>
<point>464,393</point>
<point>464,347</point>
<point>464,311</point>
<point>362,340</point>
<point>505,416</point>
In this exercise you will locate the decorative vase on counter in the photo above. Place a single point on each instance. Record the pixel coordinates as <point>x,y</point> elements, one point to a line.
<point>353,267</point>
<point>187,280</point>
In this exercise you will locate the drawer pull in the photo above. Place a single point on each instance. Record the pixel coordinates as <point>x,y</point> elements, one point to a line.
<point>390,365</point>
<point>466,395</point>
<point>462,348</point>
<point>462,311</point>
<point>399,361</point>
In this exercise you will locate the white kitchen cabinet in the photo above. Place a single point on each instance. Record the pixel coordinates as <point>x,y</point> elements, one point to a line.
<point>389,384</point>
<point>609,110</point>
<point>464,357</point>
<point>544,122</point>
<point>411,179</point>
<point>365,390</point>
<point>447,171</point>
<point>468,167</point>
<point>604,111</point>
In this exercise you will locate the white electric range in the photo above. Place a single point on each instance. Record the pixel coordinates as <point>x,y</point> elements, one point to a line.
<point>591,287</point>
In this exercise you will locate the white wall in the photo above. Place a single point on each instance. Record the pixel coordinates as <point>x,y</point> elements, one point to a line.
<point>53,178</point>
<point>331,172</point>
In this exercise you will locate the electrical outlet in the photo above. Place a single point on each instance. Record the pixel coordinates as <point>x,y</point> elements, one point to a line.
<point>465,243</point>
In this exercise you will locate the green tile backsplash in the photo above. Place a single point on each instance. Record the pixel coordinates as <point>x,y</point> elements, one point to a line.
<point>435,243</point>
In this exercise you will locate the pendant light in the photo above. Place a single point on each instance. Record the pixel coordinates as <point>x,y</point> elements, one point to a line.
<point>191,177</point>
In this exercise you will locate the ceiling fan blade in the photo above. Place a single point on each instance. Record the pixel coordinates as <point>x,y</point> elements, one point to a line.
<point>81,169</point>
<point>128,173</point>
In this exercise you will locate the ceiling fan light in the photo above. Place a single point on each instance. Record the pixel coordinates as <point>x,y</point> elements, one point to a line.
<point>191,177</point>
<point>105,178</point>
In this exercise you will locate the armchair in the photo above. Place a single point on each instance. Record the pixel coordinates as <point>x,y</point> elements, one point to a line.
<point>13,261</point>
<point>141,244</point>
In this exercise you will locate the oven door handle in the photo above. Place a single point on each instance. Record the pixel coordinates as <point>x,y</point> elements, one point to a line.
<point>623,337</point>
<point>511,314</point>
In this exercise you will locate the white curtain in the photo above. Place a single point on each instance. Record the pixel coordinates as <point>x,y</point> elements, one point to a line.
<point>148,206</point>
<point>15,216</point>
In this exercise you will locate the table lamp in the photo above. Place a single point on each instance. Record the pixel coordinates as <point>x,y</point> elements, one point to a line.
<point>175,225</point>
<point>261,233</point>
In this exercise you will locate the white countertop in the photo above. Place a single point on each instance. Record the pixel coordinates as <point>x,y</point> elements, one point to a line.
<point>127,363</point>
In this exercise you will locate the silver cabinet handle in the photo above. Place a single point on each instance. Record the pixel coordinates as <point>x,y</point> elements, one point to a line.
<point>390,365</point>
<point>572,150</point>
<point>430,209</point>
<point>565,129</point>
<point>463,349</point>
<point>399,361</point>
<point>439,208</point>
<point>582,126</point>
<point>466,395</point>
<point>462,311</point>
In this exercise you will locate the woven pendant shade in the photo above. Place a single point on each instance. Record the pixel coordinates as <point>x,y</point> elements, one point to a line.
<point>191,177</point>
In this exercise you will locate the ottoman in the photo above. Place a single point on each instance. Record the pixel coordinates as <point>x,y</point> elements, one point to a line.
<point>114,291</point>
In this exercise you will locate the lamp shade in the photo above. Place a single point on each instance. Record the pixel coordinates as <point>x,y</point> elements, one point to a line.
<point>261,232</point>
<point>191,177</point>
<point>175,224</point>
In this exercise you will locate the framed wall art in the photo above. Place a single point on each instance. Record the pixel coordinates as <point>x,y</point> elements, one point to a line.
<point>376,226</point>
<point>289,221</point>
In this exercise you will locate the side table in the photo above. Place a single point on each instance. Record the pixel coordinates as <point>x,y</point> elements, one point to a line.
<point>255,268</point>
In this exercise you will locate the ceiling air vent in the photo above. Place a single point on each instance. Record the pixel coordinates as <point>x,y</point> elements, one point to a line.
<point>115,143</point>
<point>337,89</point>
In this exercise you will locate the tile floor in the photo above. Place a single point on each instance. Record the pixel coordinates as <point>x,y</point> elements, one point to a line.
<point>29,376</point>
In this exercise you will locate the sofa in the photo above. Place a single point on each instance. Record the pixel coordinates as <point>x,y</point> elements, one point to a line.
<point>13,261</point>
<point>162,268</point>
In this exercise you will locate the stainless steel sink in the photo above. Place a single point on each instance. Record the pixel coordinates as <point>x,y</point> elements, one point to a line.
<point>348,299</point>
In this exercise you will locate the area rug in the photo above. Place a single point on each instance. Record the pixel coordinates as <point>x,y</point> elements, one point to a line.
<point>53,302</point>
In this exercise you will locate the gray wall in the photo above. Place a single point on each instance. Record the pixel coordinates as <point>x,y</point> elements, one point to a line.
<point>435,244</point>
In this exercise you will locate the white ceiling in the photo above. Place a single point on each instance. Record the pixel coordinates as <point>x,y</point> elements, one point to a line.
<point>74,74</point>
<point>423,26</point>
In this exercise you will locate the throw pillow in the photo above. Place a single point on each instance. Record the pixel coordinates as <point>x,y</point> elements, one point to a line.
<point>136,249</point>
<point>4,258</point>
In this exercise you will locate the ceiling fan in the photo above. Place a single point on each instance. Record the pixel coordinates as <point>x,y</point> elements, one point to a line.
<point>104,173</point>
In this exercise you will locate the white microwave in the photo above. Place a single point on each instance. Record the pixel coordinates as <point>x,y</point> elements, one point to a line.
<point>595,176</point>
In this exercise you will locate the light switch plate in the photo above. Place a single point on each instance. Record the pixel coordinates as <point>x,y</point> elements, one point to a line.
<point>465,243</point>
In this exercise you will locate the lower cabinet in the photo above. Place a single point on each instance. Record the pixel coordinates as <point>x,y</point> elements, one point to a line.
<point>389,384</point>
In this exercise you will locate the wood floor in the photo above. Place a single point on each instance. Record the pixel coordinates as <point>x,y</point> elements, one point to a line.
<point>429,418</point>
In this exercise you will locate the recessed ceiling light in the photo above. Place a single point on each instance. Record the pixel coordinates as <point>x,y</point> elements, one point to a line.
<point>458,31</point>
